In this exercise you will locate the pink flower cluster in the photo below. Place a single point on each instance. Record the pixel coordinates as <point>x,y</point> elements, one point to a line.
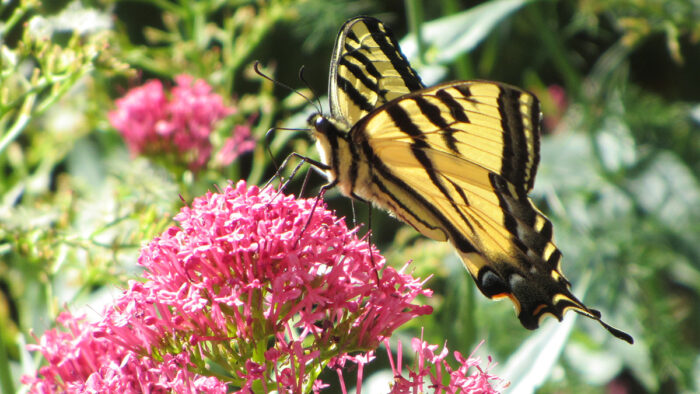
<point>153,123</point>
<point>264,286</point>
<point>434,366</point>
<point>81,361</point>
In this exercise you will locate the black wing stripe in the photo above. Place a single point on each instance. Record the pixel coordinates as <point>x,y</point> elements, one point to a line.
<point>403,121</point>
<point>358,55</point>
<point>547,230</point>
<point>465,200</point>
<point>456,109</point>
<point>389,46</point>
<point>523,158</point>
<point>390,177</point>
<point>509,155</point>
<point>434,114</point>
<point>357,72</point>
<point>553,260</point>
<point>543,237</point>
<point>509,221</point>
<point>464,90</point>
<point>351,36</point>
<point>460,242</point>
<point>354,95</point>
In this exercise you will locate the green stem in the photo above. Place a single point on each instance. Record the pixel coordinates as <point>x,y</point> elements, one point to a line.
<point>6,384</point>
<point>414,9</point>
<point>20,123</point>
<point>462,64</point>
<point>34,87</point>
<point>62,89</point>
<point>558,54</point>
<point>260,163</point>
<point>16,16</point>
<point>470,307</point>
<point>253,39</point>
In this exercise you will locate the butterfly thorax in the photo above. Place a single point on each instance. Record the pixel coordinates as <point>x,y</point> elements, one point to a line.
<point>340,156</point>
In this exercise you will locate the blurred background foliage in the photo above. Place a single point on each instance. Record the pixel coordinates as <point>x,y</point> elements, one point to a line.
<point>620,89</point>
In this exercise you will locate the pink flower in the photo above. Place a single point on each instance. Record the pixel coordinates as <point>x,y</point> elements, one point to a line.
<point>268,288</point>
<point>80,361</point>
<point>432,365</point>
<point>240,142</point>
<point>139,114</point>
<point>152,123</point>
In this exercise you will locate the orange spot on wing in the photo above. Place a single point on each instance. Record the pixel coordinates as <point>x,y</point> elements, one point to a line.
<point>515,301</point>
<point>538,309</point>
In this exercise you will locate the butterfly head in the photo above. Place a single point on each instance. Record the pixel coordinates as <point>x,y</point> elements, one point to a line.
<point>322,126</point>
<point>331,142</point>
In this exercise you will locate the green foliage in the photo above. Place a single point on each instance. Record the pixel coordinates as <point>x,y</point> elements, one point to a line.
<point>212,39</point>
<point>618,176</point>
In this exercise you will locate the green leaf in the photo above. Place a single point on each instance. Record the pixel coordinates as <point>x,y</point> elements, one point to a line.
<point>530,366</point>
<point>453,35</point>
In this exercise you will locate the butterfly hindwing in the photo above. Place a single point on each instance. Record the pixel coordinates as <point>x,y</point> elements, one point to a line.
<point>456,161</point>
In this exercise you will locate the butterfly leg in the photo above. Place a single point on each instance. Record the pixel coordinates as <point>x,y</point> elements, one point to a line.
<point>323,190</point>
<point>303,159</point>
<point>369,239</point>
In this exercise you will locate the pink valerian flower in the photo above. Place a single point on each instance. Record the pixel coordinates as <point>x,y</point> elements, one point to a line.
<point>139,114</point>
<point>240,142</point>
<point>432,365</point>
<point>268,288</point>
<point>153,122</point>
<point>80,361</point>
<point>338,363</point>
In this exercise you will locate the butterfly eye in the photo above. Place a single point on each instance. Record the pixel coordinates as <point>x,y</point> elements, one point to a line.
<point>321,123</point>
<point>325,126</point>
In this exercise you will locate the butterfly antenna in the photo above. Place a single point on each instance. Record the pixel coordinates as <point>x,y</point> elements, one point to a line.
<point>308,85</point>
<point>269,148</point>
<point>256,67</point>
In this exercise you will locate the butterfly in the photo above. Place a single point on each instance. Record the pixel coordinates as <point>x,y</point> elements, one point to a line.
<point>456,161</point>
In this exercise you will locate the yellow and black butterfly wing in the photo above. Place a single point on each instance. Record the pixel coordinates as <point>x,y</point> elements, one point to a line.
<point>367,70</point>
<point>456,162</point>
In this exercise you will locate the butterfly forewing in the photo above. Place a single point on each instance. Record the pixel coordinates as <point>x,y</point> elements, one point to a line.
<point>455,161</point>
<point>367,70</point>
